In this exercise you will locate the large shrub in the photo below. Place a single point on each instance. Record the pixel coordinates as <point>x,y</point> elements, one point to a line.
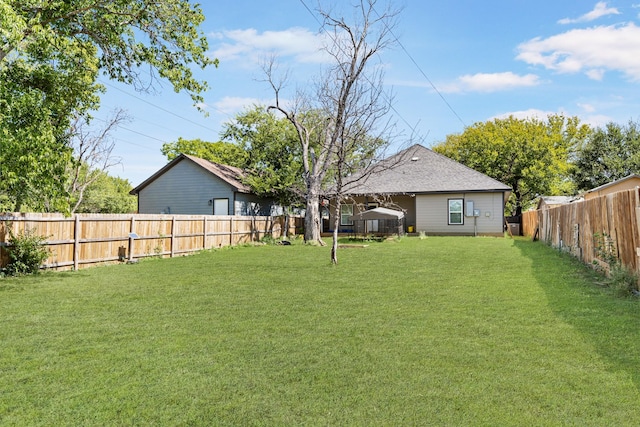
<point>26,253</point>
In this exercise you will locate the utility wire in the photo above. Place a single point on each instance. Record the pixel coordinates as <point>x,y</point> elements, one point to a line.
<point>410,57</point>
<point>133,131</point>
<point>433,86</point>
<point>160,108</point>
<point>412,127</point>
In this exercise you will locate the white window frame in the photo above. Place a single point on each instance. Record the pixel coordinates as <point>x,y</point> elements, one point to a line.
<point>344,211</point>
<point>460,212</point>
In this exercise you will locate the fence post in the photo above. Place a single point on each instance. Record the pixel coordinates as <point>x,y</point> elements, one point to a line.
<point>231,231</point>
<point>131,233</point>
<point>76,242</point>
<point>636,197</point>
<point>173,235</point>
<point>204,232</point>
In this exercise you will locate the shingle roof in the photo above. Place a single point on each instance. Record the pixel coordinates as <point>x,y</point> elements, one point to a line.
<point>229,174</point>
<point>557,200</point>
<point>419,170</point>
<point>610,184</point>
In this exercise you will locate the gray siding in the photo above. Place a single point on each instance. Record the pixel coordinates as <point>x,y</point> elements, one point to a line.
<point>186,188</point>
<point>250,204</point>
<point>432,214</point>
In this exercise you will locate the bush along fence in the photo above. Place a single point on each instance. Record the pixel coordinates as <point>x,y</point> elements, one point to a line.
<point>603,232</point>
<point>89,239</point>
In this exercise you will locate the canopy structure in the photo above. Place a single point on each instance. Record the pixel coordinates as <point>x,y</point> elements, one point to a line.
<point>379,213</point>
<point>379,221</point>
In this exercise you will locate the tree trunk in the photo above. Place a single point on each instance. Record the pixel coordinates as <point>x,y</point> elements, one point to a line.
<point>312,216</point>
<point>518,196</point>
<point>336,226</point>
<point>287,218</point>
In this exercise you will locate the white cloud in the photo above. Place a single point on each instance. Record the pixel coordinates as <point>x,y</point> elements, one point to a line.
<point>231,105</point>
<point>592,51</point>
<point>490,82</point>
<point>597,120</point>
<point>593,120</point>
<point>588,108</point>
<point>531,113</point>
<point>599,11</point>
<point>251,46</point>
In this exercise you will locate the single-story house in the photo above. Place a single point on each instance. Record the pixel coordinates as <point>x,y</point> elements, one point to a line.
<point>438,195</point>
<point>193,186</point>
<point>627,183</point>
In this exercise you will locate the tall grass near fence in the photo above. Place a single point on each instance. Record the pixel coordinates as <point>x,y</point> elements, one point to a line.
<point>438,331</point>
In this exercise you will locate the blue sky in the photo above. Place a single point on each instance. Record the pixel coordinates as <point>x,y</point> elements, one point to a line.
<point>457,63</point>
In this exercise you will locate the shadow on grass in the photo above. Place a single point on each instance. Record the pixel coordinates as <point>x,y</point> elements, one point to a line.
<point>611,324</point>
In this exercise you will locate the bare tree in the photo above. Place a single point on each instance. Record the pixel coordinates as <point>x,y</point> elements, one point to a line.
<point>343,133</point>
<point>93,154</point>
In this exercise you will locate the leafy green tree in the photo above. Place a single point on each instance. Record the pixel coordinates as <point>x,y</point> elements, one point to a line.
<point>273,160</point>
<point>108,194</point>
<point>219,152</point>
<point>531,156</point>
<point>610,153</point>
<point>50,56</point>
<point>118,36</point>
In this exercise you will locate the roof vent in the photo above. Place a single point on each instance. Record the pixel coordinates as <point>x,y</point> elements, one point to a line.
<point>415,159</point>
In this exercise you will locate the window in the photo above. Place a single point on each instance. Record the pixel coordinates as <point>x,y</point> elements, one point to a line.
<point>455,212</point>
<point>346,212</point>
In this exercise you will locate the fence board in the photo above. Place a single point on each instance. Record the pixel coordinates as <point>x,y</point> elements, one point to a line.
<point>89,239</point>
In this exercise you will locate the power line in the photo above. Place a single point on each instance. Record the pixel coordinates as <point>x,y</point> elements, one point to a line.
<point>366,77</point>
<point>133,131</point>
<point>162,109</point>
<point>433,86</point>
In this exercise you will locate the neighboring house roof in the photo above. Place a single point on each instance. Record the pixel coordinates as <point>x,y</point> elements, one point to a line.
<point>229,174</point>
<point>419,170</point>
<point>551,201</point>
<point>633,176</point>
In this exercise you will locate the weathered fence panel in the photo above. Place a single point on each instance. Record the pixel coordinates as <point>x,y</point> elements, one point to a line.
<point>591,228</point>
<point>87,239</point>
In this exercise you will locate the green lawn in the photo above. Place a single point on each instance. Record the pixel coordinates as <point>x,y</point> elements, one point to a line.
<point>438,331</point>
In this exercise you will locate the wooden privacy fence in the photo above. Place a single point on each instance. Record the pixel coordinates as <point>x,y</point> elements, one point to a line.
<point>86,239</point>
<point>592,230</point>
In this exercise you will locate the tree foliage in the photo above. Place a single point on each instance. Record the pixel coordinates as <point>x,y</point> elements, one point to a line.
<point>531,156</point>
<point>108,194</point>
<point>219,152</point>
<point>37,103</point>
<point>116,36</point>
<point>608,154</point>
<point>51,54</point>
<point>273,162</point>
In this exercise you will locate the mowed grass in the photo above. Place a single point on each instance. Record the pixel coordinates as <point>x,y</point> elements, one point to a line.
<point>438,331</point>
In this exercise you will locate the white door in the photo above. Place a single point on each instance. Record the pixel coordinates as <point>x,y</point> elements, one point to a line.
<point>221,207</point>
